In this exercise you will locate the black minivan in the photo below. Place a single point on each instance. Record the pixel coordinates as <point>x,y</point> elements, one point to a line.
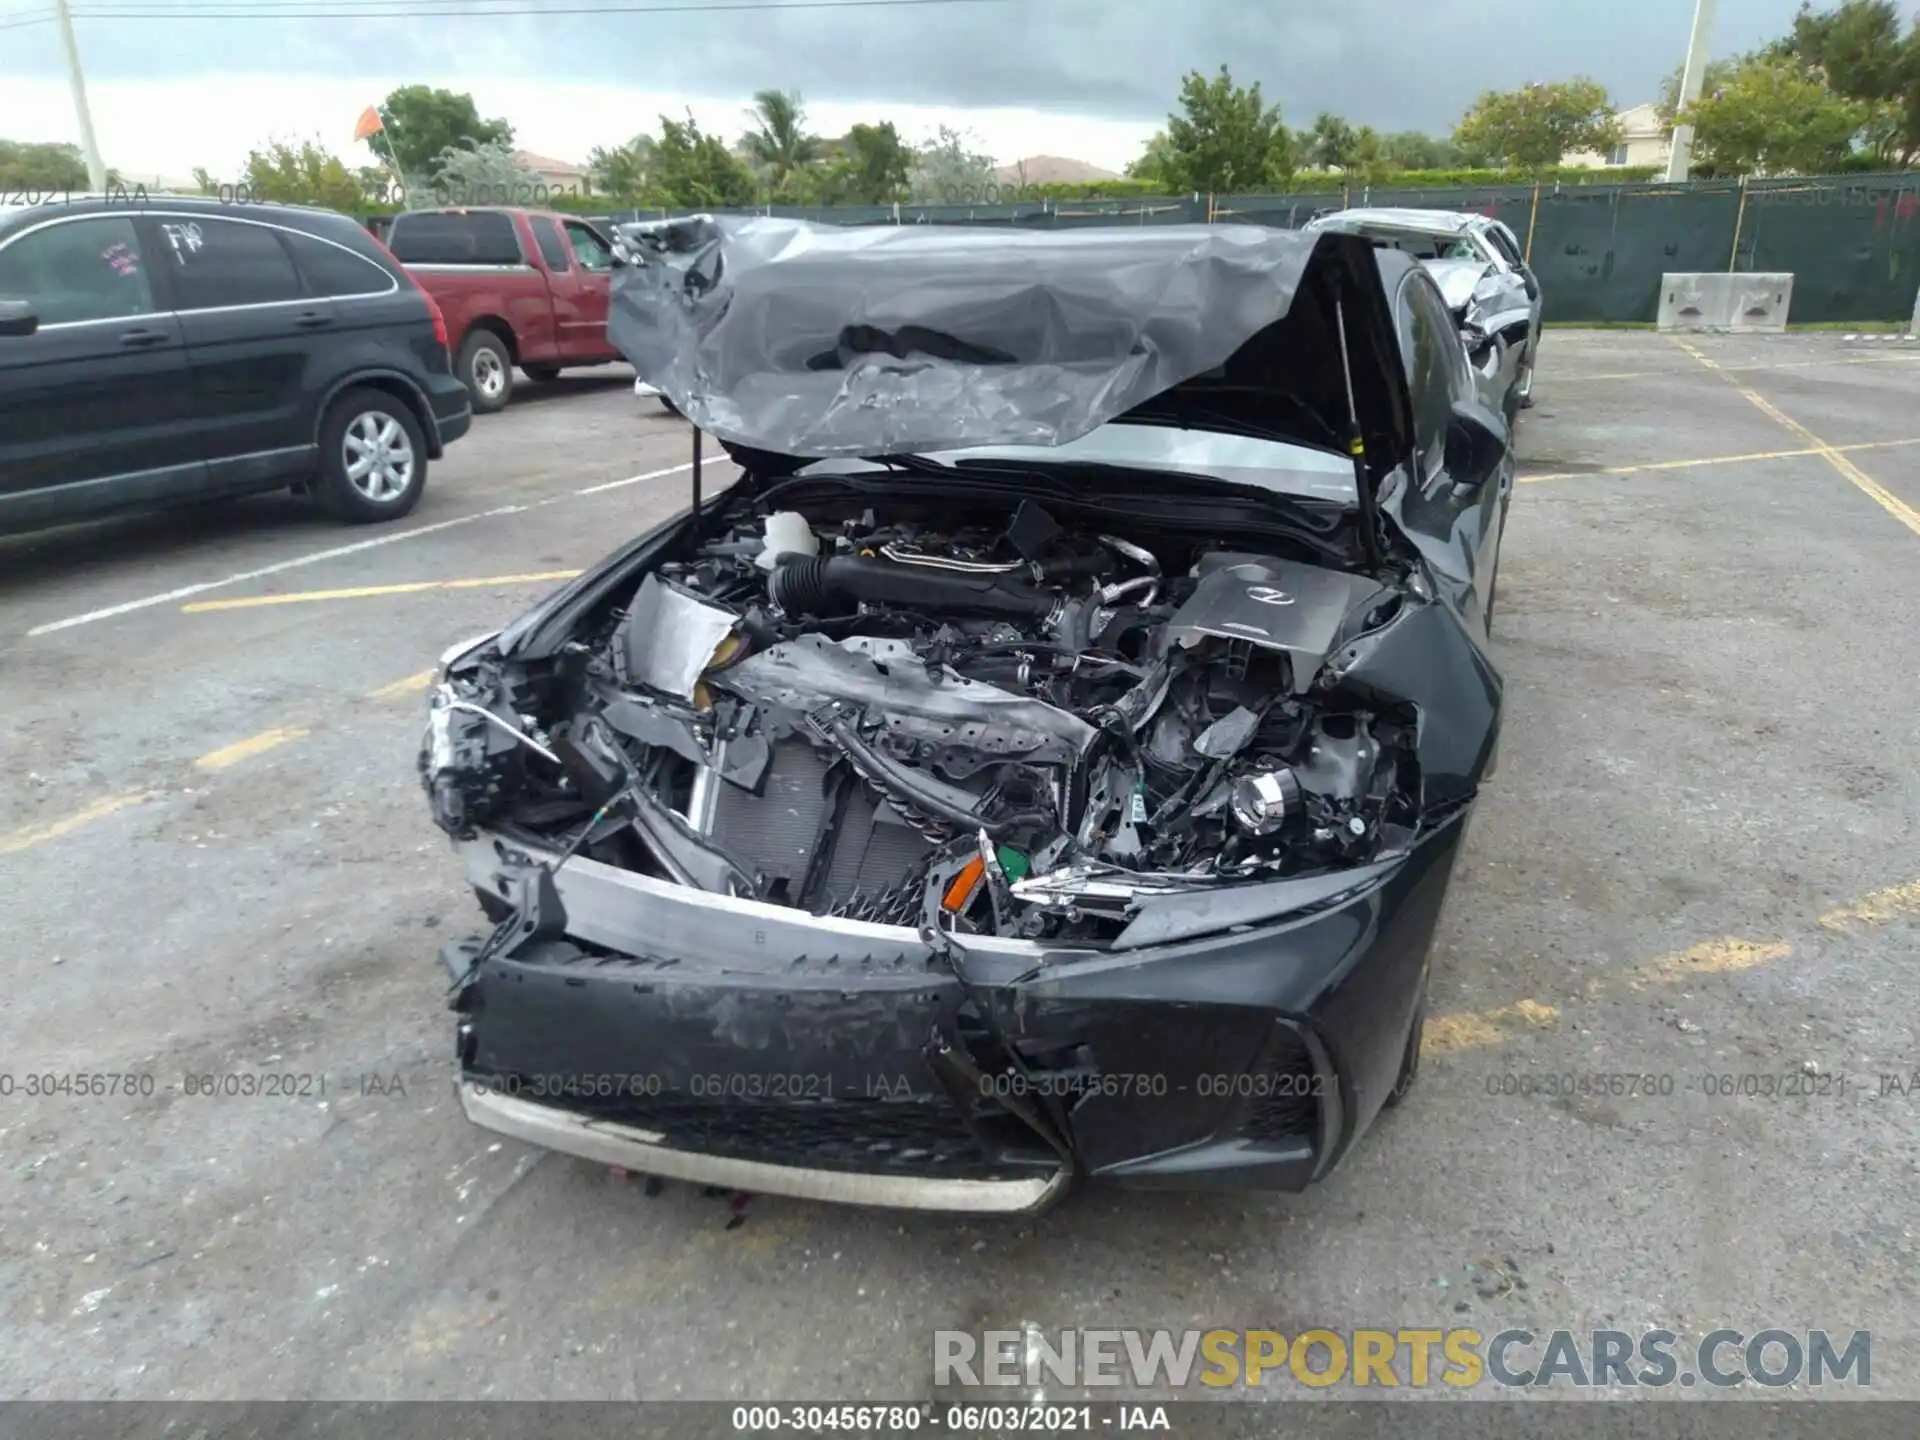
<point>161,350</point>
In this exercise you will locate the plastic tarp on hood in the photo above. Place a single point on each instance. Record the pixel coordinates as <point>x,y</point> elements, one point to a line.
<point>818,340</point>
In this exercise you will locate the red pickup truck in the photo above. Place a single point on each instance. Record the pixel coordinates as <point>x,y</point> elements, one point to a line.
<point>517,287</point>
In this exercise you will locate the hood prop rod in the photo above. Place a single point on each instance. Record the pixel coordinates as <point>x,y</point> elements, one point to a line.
<point>693,535</point>
<point>1356,440</point>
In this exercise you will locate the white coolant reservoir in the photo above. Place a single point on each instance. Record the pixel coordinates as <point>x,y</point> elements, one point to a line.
<point>787,534</point>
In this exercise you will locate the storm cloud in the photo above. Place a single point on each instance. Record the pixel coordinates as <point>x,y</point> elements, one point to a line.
<point>1393,64</point>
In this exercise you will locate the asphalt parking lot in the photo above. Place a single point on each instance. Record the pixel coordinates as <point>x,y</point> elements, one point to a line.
<point>1699,858</point>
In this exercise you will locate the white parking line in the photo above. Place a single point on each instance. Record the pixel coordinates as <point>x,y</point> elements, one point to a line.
<point>337,552</point>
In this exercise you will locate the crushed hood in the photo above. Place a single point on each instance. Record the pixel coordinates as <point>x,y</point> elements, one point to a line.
<point>796,340</point>
<point>1457,279</point>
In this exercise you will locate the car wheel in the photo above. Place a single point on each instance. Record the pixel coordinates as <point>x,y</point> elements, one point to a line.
<point>1525,385</point>
<point>542,373</point>
<point>373,458</point>
<point>486,369</point>
<point>1410,1057</point>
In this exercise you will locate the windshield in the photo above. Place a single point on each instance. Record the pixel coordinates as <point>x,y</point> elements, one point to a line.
<point>1272,465</point>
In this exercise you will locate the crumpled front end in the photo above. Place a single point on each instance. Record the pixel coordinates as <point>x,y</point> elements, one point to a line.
<point>734,1043</point>
<point>936,851</point>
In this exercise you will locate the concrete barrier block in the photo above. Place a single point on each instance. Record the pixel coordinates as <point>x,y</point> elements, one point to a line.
<point>1735,302</point>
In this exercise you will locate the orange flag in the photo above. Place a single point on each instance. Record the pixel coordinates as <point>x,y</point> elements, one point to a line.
<point>370,124</point>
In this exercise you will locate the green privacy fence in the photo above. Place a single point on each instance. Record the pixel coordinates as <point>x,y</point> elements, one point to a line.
<point>1851,242</point>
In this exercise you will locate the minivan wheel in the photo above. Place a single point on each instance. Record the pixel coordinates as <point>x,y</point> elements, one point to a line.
<point>486,369</point>
<point>373,458</point>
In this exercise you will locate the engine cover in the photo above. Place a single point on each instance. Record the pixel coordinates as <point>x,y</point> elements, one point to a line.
<point>1276,604</point>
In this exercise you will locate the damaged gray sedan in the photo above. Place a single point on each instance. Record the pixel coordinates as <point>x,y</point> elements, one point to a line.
<point>1044,763</point>
<point>1482,272</point>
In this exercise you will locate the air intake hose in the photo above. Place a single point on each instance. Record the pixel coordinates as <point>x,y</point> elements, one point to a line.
<point>807,585</point>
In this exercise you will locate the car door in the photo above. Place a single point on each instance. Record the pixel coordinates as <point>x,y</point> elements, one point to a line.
<point>1469,512</point>
<point>571,288</point>
<point>594,256</point>
<point>252,333</point>
<point>96,405</point>
<point>1506,253</point>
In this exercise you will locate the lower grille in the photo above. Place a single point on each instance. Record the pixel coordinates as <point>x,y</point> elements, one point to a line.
<point>1285,1091</point>
<point>921,1136</point>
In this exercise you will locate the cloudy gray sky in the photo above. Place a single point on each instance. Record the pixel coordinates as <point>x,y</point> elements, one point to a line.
<point>1395,64</point>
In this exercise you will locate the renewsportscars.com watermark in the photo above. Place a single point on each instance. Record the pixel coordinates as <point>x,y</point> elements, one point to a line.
<point>1032,1359</point>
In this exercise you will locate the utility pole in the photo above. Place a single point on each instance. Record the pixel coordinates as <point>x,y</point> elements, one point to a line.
<point>96,169</point>
<point>1691,79</point>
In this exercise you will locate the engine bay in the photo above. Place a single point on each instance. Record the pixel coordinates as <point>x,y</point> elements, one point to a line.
<point>963,713</point>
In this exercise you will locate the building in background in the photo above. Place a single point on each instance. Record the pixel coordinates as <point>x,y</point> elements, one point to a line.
<point>561,175</point>
<point>1644,141</point>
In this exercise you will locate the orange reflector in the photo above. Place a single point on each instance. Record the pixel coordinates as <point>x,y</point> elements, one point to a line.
<point>963,886</point>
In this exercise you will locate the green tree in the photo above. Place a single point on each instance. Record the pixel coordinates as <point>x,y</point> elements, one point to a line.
<point>1155,163</point>
<point>1225,138</point>
<point>1859,51</point>
<point>1718,74</point>
<point>302,174</point>
<point>1329,142</point>
<point>1413,150</point>
<point>1532,127</point>
<point>947,172</point>
<point>696,171</point>
<point>1774,117</point>
<point>422,123</point>
<point>1367,161</point>
<point>621,172</point>
<point>41,167</point>
<point>778,146</point>
<point>871,165</point>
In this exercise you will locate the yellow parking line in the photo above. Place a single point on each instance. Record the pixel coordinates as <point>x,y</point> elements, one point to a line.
<point>1832,454</point>
<point>1446,1034</point>
<point>33,835</point>
<point>365,592</point>
<point>230,755</point>
<point>1653,466</point>
<point>1481,1030</point>
<point>400,689</point>
<point>1893,903</point>
<point>1713,957</point>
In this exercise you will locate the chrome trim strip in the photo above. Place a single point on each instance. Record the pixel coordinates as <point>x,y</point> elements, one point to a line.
<point>608,1143</point>
<point>458,268</point>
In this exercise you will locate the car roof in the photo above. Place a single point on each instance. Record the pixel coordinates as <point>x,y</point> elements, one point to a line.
<point>136,201</point>
<point>1431,222</point>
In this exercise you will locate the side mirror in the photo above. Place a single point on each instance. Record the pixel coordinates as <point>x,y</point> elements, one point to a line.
<point>17,319</point>
<point>1476,443</point>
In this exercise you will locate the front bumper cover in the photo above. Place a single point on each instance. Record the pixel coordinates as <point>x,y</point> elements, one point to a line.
<point>747,1045</point>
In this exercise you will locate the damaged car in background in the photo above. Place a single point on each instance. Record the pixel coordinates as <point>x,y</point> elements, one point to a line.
<point>1481,269</point>
<point>1044,762</point>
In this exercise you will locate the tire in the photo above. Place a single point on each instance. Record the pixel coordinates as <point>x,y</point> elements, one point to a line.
<point>543,374</point>
<point>1525,385</point>
<point>373,433</point>
<point>486,369</point>
<point>1410,1057</point>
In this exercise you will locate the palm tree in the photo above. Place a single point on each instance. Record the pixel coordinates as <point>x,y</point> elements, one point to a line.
<point>780,145</point>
